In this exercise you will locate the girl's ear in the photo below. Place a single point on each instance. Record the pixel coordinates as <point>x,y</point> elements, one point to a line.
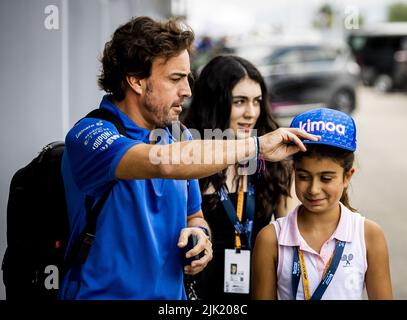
<point>348,177</point>
<point>135,83</point>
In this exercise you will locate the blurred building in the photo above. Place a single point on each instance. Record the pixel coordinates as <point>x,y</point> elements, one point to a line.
<point>49,66</point>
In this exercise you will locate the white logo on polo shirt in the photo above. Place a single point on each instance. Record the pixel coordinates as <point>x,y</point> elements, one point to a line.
<point>312,126</point>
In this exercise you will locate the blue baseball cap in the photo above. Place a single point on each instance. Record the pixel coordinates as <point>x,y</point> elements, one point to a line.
<point>336,128</point>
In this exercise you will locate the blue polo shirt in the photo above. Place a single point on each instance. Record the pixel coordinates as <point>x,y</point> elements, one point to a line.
<point>135,253</point>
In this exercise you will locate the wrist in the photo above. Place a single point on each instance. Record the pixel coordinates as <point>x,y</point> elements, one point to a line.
<point>205,230</point>
<point>260,148</point>
<point>257,145</point>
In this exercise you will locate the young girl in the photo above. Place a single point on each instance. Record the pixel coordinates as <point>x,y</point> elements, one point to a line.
<point>323,249</point>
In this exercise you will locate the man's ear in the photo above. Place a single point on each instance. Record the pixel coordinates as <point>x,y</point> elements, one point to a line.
<point>135,83</point>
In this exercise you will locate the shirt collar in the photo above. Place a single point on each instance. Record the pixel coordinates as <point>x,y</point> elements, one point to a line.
<point>344,230</point>
<point>290,234</point>
<point>133,130</point>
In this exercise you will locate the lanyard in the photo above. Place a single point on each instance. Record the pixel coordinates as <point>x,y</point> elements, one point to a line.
<point>239,214</point>
<point>235,216</point>
<point>299,269</point>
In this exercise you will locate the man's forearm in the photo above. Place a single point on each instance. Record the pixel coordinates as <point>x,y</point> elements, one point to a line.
<point>200,158</point>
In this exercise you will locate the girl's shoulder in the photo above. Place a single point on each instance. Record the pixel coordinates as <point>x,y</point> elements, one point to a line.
<point>372,226</point>
<point>266,245</point>
<point>267,236</point>
<point>374,233</point>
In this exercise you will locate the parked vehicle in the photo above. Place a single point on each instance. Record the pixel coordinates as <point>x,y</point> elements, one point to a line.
<point>381,52</point>
<point>303,76</point>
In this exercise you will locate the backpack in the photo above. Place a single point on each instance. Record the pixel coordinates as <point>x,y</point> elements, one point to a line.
<point>38,226</point>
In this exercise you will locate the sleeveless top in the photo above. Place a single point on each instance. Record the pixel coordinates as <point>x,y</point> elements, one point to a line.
<point>348,281</point>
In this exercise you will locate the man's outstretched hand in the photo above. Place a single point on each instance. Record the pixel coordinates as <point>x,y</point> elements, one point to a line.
<point>283,142</point>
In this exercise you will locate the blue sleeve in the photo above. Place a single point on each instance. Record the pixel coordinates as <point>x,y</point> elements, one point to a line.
<point>194,197</point>
<point>94,148</point>
<point>194,192</point>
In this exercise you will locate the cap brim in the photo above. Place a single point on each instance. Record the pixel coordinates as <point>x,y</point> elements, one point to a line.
<point>332,144</point>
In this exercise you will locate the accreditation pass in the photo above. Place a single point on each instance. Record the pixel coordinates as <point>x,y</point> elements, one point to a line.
<point>237,271</point>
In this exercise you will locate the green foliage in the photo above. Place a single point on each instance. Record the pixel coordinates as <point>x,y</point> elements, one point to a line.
<point>397,12</point>
<point>324,17</point>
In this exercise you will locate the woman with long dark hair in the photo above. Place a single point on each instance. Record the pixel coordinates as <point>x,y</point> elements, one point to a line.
<point>230,94</point>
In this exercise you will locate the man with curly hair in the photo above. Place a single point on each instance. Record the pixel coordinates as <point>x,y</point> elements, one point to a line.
<point>152,198</point>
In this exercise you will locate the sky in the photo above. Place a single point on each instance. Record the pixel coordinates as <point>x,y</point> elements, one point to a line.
<point>236,17</point>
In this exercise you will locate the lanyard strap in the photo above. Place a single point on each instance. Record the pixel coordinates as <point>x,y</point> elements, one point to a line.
<point>299,270</point>
<point>235,216</point>
<point>239,214</point>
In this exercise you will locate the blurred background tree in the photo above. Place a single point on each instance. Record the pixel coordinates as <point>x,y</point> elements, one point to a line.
<point>397,12</point>
<point>324,17</point>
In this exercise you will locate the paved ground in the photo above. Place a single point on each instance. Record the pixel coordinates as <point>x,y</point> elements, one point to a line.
<point>378,188</point>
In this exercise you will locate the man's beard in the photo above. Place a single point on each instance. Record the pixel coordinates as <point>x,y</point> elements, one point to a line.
<point>161,114</point>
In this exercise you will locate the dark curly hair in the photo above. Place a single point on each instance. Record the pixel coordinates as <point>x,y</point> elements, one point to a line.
<point>135,45</point>
<point>210,109</point>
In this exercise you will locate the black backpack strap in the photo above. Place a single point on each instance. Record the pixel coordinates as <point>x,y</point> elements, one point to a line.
<point>81,246</point>
<point>80,249</point>
<point>88,235</point>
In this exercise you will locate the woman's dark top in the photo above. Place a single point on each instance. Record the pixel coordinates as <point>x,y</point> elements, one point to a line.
<point>209,282</point>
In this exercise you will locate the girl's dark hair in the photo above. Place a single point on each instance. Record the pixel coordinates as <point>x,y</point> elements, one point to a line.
<point>342,157</point>
<point>211,108</point>
<point>135,45</point>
